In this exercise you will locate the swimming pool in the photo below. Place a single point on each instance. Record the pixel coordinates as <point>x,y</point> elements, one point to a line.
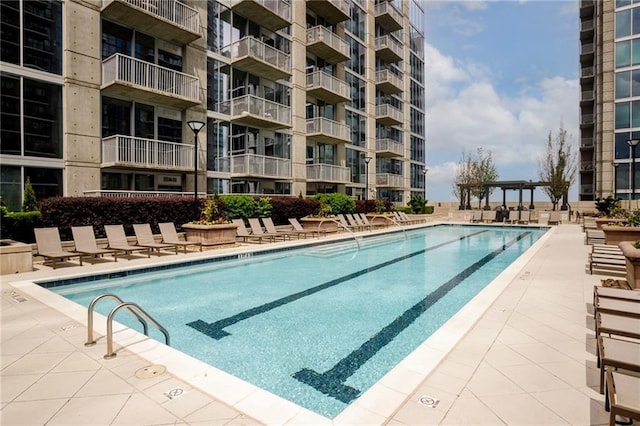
<point>319,326</point>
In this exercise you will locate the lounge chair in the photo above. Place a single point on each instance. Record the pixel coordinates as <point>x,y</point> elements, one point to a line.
<point>342,223</point>
<point>145,238</point>
<point>409,220</point>
<point>615,293</point>
<point>50,246</point>
<point>256,229</point>
<point>297,227</point>
<point>489,216</point>
<point>625,308</point>
<point>554,218</point>
<point>366,221</point>
<point>525,216</point>
<point>351,220</point>
<point>476,216</point>
<point>623,396</point>
<point>615,353</point>
<point>85,241</point>
<point>170,236</point>
<point>358,221</point>
<point>399,219</point>
<point>117,240</point>
<point>243,233</point>
<point>272,230</point>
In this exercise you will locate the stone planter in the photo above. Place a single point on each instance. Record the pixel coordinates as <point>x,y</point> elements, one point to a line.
<point>632,258</point>
<point>210,235</point>
<point>613,235</point>
<point>328,224</point>
<point>15,257</point>
<point>602,221</point>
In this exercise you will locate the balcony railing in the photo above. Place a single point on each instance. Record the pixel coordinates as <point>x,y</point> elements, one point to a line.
<point>252,55</point>
<point>389,180</point>
<point>271,14</point>
<point>328,173</point>
<point>120,150</point>
<point>586,189</point>
<point>122,73</point>
<point>388,48</point>
<point>389,148</point>
<point>388,82</point>
<point>255,111</point>
<point>587,72</point>
<point>388,16</point>
<point>586,25</point>
<point>587,49</point>
<point>138,194</point>
<point>587,95</point>
<point>586,142</point>
<point>327,87</point>
<point>388,114</point>
<point>586,119</point>
<point>328,131</point>
<point>327,45</point>
<point>144,14</point>
<point>333,11</point>
<point>255,165</point>
<point>586,166</point>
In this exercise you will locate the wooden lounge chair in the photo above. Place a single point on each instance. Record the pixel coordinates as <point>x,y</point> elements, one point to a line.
<point>623,396</point>
<point>117,240</point>
<point>626,308</point>
<point>297,227</point>
<point>145,238</point>
<point>170,236</point>
<point>50,246</point>
<point>256,229</point>
<point>615,353</point>
<point>271,229</point>
<point>243,233</point>
<point>85,241</point>
<point>615,293</point>
<point>554,218</point>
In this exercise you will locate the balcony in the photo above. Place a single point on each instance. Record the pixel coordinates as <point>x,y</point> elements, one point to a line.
<point>388,49</point>
<point>586,189</point>
<point>271,14</point>
<point>587,96</point>
<point>587,73</point>
<point>252,55</point>
<point>328,173</point>
<point>388,17</point>
<point>587,51</point>
<point>328,131</point>
<point>586,166</point>
<point>254,111</point>
<point>115,193</point>
<point>586,29</point>
<point>128,77</point>
<point>586,120</point>
<point>251,165</point>
<point>327,45</point>
<point>326,87</point>
<point>389,148</point>
<point>388,180</point>
<point>128,151</point>
<point>389,115</point>
<point>333,11</point>
<point>166,19</point>
<point>388,82</point>
<point>586,143</point>
<point>587,7</point>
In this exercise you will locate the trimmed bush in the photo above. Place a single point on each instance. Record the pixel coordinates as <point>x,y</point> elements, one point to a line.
<point>340,203</point>
<point>239,206</point>
<point>19,226</point>
<point>286,207</point>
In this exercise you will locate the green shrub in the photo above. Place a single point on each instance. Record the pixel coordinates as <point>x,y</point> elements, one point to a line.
<point>429,209</point>
<point>239,206</point>
<point>19,226</point>
<point>417,204</point>
<point>404,209</point>
<point>263,207</point>
<point>340,203</point>
<point>30,204</point>
<point>285,207</point>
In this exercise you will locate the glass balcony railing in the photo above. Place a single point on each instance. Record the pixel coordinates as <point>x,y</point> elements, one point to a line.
<point>327,87</point>
<point>389,148</point>
<point>256,111</point>
<point>389,180</point>
<point>120,150</point>
<point>252,55</point>
<point>328,173</point>
<point>255,165</point>
<point>328,131</point>
<point>327,45</point>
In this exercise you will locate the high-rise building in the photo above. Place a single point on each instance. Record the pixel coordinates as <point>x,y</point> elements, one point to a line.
<point>610,99</point>
<point>297,97</point>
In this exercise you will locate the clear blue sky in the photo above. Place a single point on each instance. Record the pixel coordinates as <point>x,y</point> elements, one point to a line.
<point>500,75</point>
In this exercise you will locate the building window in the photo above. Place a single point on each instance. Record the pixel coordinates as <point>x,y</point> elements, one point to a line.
<point>627,53</point>
<point>627,84</point>
<point>627,115</point>
<point>357,124</point>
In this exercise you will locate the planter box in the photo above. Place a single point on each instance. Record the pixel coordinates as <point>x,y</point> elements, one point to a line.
<point>329,224</point>
<point>602,221</point>
<point>632,258</point>
<point>210,235</point>
<point>15,257</point>
<point>382,219</point>
<point>614,235</point>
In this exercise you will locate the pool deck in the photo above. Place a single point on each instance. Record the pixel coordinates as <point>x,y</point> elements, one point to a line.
<point>528,359</point>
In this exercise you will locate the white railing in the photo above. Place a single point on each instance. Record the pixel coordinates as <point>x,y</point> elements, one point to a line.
<point>121,68</point>
<point>387,110</point>
<point>328,127</point>
<point>147,153</point>
<point>321,34</point>
<point>386,75</point>
<point>389,145</point>
<point>388,179</point>
<point>324,80</point>
<point>386,7</point>
<point>587,48</point>
<point>388,42</point>
<point>253,164</point>
<point>256,49</point>
<point>279,7</point>
<point>138,194</point>
<point>342,5</point>
<point>171,10</point>
<point>328,173</point>
<point>259,107</point>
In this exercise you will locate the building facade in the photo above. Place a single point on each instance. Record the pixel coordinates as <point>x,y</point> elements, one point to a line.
<point>610,99</point>
<point>297,97</point>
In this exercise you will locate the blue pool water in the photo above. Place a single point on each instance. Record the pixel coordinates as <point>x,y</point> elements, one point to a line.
<point>318,325</point>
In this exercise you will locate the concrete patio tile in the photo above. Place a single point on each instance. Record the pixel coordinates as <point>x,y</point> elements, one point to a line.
<point>470,411</point>
<point>576,374</point>
<point>94,411</point>
<point>12,386</point>
<point>7,360</point>
<point>31,413</point>
<point>501,355</point>
<point>76,361</point>
<point>53,345</point>
<point>539,352</point>
<point>104,382</point>
<point>35,363</point>
<point>532,378</point>
<point>490,381</point>
<point>521,409</point>
<point>56,385</point>
<point>216,413</point>
<point>140,409</point>
<point>445,382</point>
<point>511,336</point>
<point>574,407</point>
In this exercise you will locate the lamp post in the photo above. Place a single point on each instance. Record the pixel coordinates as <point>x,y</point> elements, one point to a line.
<point>424,172</point>
<point>195,126</point>
<point>366,177</point>
<point>632,145</point>
<point>615,180</point>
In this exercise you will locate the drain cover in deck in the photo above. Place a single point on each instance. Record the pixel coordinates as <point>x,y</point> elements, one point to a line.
<point>150,371</point>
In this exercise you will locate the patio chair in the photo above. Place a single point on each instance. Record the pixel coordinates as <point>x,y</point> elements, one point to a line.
<point>489,216</point>
<point>623,396</point>
<point>243,233</point>
<point>256,229</point>
<point>476,216</point>
<point>554,218</point>
<point>627,308</point>
<point>525,216</point>
<point>342,223</point>
<point>117,240</point>
<point>359,222</point>
<point>50,246</point>
<point>399,219</point>
<point>297,227</point>
<point>615,293</point>
<point>354,224</point>
<point>145,238</point>
<point>615,353</point>
<point>85,241</point>
<point>170,236</point>
<point>271,229</point>
<point>366,221</point>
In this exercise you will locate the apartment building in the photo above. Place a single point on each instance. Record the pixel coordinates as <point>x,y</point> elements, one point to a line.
<point>610,99</point>
<point>294,97</point>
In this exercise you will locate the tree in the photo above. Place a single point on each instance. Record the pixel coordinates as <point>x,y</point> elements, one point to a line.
<point>30,204</point>
<point>558,166</point>
<point>462,181</point>
<point>483,171</point>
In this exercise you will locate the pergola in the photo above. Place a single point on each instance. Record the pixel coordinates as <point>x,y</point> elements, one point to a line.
<point>509,185</point>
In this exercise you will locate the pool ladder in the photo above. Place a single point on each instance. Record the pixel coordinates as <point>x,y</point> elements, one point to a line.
<point>133,308</point>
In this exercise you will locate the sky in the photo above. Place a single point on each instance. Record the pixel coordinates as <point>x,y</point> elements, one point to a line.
<point>500,75</point>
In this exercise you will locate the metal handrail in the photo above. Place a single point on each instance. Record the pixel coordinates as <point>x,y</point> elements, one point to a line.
<point>129,305</point>
<point>90,341</point>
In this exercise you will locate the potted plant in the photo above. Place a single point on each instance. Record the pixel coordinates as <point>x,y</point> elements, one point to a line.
<point>212,228</point>
<point>609,212</point>
<point>323,220</point>
<point>626,230</point>
<point>631,252</point>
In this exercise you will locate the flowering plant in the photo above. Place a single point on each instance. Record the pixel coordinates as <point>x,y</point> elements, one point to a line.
<point>210,215</point>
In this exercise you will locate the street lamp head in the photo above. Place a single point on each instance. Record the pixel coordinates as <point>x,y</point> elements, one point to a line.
<point>367,159</point>
<point>195,126</point>
<point>424,170</point>
<point>633,142</point>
